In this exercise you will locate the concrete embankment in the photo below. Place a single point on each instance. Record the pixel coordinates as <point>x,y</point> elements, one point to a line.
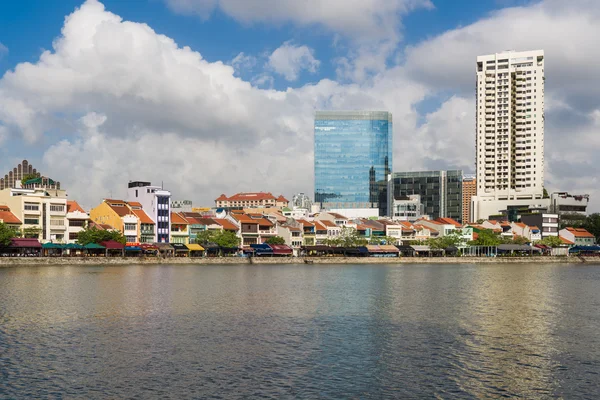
<point>42,261</point>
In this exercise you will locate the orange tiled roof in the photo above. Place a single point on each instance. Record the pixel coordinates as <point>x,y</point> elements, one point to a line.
<point>521,225</point>
<point>244,218</point>
<point>135,204</point>
<point>73,206</point>
<point>226,224</point>
<point>449,221</point>
<point>282,199</point>
<point>580,232</point>
<point>328,223</point>
<point>305,222</point>
<point>120,210</point>
<point>320,226</point>
<point>337,216</point>
<point>222,197</point>
<point>143,217</point>
<point>7,216</point>
<point>565,241</point>
<point>178,219</point>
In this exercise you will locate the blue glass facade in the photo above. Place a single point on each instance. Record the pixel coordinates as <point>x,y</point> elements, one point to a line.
<point>353,155</point>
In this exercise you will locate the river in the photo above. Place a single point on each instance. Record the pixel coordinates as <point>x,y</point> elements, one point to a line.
<point>300,331</point>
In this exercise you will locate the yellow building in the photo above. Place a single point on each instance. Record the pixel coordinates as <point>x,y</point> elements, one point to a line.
<point>119,215</point>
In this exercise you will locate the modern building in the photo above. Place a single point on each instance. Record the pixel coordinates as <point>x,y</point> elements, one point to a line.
<point>571,208</point>
<point>440,191</point>
<point>156,202</point>
<point>509,131</point>
<point>469,189</point>
<point>353,157</point>
<point>300,200</point>
<point>407,208</point>
<point>181,206</point>
<point>547,223</point>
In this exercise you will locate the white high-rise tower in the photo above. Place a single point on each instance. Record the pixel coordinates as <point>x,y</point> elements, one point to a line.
<point>510,130</point>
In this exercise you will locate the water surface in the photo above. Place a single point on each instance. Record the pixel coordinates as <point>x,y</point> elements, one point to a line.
<point>300,331</point>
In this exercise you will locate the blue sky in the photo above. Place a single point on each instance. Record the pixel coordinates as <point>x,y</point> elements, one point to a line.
<point>119,95</point>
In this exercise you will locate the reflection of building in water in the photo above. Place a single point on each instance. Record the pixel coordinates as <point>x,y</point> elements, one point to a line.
<point>353,156</point>
<point>508,339</point>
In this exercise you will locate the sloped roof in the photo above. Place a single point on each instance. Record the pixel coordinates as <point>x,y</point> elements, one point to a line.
<point>282,199</point>
<point>226,224</point>
<point>73,206</point>
<point>244,218</point>
<point>8,217</point>
<point>143,217</point>
<point>580,232</point>
<point>250,196</point>
<point>118,206</point>
<point>337,216</point>
<point>449,221</point>
<point>320,226</point>
<point>178,219</point>
<point>305,222</point>
<point>222,197</point>
<point>565,241</point>
<point>135,204</point>
<point>328,223</point>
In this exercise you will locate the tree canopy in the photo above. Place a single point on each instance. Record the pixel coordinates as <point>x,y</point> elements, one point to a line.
<point>32,233</point>
<point>95,235</point>
<point>6,234</point>
<point>486,237</point>
<point>453,239</point>
<point>591,223</point>
<point>348,237</point>
<point>551,241</point>
<point>221,238</point>
<point>275,240</point>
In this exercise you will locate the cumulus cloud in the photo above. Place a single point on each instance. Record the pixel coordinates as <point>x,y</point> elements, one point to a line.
<point>3,49</point>
<point>288,60</point>
<point>243,62</point>
<point>130,103</point>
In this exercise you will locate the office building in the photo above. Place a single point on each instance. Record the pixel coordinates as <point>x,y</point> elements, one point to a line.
<point>353,157</point>
<point>440,191</point>
<point>469,189</point>
<point>509,131</point>
<point>156,202</point>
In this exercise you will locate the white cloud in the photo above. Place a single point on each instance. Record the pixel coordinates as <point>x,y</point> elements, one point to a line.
<point>243,62</point>
<point>3,49</point>
<point>288,60</point>
<point>359,19</point>
<point>144,108</point>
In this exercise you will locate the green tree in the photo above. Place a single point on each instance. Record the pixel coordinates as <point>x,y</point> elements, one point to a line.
<point>275,240</point>
<point>204,237</point>
<point>31,233</point>
<point>592,224</point>
<point>551,241</point>
<point>519,240</point>
<point>486,237</point>
<point>95,235</point>
<point>545,194</point>
<point>28,177</point>
<point>226,239</point>
<point>6,234</point>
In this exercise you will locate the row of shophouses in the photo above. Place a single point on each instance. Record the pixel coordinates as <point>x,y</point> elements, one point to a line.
<point>56,219</point>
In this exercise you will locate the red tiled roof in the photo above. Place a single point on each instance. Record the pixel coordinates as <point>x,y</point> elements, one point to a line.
<point>319,225</point>
<point>521,225</point>
<point>120,210</point>
<point>8,217</point>
<point>282,199</point>
<point>449,221</point>
<point>328,223</point>
<point>565,241</point>
<point>246,219</point>
<point>305,222</point>
<point>135,204</point>
<point>143,217</point>
<point>222,197</point>
<point>580,232</point>
<point>264,222</point>
<point>337,216</point>
<point>73,206</point>
<point>226,224</point>
<point>292,228</point>
<point>178,219</point>
<point>113,201</point>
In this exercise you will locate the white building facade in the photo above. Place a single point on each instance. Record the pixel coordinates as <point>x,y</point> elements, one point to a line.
<point>156,202</point>
<point>509,131</point>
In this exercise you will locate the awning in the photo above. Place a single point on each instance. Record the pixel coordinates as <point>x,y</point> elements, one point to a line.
<point>194,247</point>
<point>52,246</point>
<point>112,245</point>
<point>281,249</point>
<point>148,246</point>
<point>25,243</point>
<point>73,246</point>
<point>133,248</point>
<point>179,247</point>
<point>262,248</point>
<point>94,246</point>
<point>421,248</point>
<point>389,248</point>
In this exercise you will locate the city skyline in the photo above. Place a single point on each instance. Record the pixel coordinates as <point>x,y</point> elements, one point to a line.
<point>98,104</point>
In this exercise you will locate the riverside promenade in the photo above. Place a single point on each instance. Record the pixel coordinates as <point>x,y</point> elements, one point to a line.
<point>67,261</point>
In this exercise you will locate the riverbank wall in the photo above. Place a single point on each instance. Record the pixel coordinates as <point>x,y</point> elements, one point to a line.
<point>64,261</point>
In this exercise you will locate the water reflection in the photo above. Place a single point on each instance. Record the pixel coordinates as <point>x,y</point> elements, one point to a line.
<point>300,331</point>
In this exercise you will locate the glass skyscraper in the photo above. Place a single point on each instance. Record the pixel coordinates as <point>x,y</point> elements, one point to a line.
<point>353,156</point>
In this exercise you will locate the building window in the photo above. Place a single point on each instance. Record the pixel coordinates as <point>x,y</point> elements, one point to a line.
<point>31,207</point>
<point>130,227</point>
<point>57,222</point>
<point>77,223</point>
<point>57,207</point>
<point>31,221</point>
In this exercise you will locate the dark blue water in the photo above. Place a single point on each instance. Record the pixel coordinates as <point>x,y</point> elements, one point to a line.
<point>331,332</point>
